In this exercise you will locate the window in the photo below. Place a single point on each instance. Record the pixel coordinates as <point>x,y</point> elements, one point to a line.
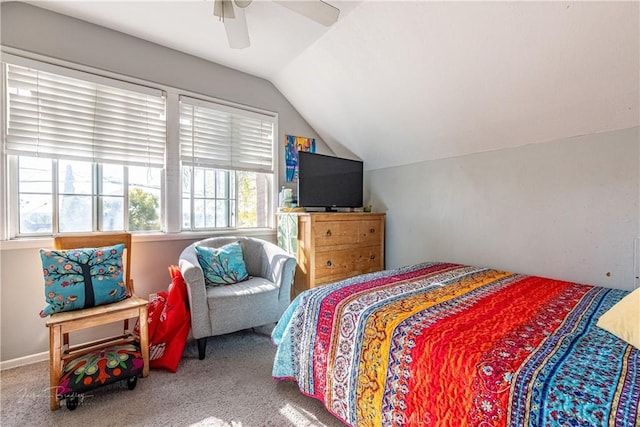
<point>88,153</point>
<point>226,157</point>
<point>58,195</point>
<point>85,153</point>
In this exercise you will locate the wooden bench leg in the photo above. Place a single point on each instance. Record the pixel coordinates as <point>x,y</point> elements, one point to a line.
<point>144,339</point>
<point>55,364</point>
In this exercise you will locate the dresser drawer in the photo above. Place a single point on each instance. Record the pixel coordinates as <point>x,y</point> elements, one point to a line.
<point>370,232</point>
<point>337,233</point>
<point>341,264</point>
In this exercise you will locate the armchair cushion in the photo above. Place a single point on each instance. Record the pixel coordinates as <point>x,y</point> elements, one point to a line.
<point>81,278</point>
<point>222,266</point>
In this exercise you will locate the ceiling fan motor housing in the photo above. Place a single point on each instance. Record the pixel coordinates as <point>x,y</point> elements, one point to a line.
<point>236,25</point>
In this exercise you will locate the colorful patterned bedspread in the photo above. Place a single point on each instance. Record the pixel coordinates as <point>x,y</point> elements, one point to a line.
<point>452,345</point>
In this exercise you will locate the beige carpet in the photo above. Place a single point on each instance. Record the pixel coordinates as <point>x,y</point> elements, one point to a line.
<point>231,387</point>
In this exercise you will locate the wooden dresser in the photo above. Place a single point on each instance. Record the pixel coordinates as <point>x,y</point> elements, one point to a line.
<point>332,246</point>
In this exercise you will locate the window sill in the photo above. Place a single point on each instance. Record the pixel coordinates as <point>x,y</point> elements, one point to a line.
<point>47,242</point>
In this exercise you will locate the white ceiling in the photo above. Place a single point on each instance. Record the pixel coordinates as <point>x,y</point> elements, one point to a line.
<point>277,34</point>
<point>397,82</point>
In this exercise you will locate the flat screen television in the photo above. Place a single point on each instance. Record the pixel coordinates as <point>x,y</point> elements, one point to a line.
<point>329,182</point>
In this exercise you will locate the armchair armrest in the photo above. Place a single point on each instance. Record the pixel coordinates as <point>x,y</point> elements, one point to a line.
<point>194,278</point>
<point>279,267</point>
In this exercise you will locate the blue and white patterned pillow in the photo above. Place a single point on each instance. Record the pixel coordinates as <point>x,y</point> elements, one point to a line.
<point>81,278</point>
<point>222,266</point>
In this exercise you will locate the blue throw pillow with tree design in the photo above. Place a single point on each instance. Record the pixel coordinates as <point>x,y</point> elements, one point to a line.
<point>81,278</point>
<point>222,266</point>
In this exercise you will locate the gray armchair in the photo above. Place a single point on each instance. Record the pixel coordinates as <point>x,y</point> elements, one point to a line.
<point>255,302</point>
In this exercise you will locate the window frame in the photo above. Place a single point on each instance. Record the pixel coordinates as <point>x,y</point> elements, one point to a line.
<point>171,213</point>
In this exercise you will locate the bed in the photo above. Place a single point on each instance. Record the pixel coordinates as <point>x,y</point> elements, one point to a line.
<point>449,344</point>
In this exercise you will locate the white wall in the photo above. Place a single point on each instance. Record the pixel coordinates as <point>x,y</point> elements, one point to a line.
<point>566,209</point>
<point>35,30</point>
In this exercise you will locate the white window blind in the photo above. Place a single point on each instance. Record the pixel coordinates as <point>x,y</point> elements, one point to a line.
<point>219,136</point>
<point>56,116</point>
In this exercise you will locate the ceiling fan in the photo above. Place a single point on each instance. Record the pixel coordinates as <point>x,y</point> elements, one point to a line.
<point>231,12</point>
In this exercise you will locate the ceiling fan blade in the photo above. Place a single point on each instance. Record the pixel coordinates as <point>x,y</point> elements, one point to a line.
<point>317,10</point>
<point>237,30</point>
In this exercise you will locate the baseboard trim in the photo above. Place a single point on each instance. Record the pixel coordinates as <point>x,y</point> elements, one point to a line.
<point>26,360</point>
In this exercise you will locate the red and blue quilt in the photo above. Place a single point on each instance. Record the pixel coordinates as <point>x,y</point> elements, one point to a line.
<point>447,344</point>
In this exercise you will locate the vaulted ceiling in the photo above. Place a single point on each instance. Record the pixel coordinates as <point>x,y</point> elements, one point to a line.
<point>396,82</point>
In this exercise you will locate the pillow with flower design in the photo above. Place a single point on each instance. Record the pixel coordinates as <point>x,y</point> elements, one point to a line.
<point>223,265</point>
<point>81,278</point>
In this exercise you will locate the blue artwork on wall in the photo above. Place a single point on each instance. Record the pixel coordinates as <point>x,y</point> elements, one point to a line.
<point>292,145</point>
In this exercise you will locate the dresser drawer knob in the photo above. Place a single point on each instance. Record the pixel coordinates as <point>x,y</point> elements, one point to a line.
<point>372,257</point>
<point>372,230</point>
<point>328,233</point>
<point>329,263</point>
